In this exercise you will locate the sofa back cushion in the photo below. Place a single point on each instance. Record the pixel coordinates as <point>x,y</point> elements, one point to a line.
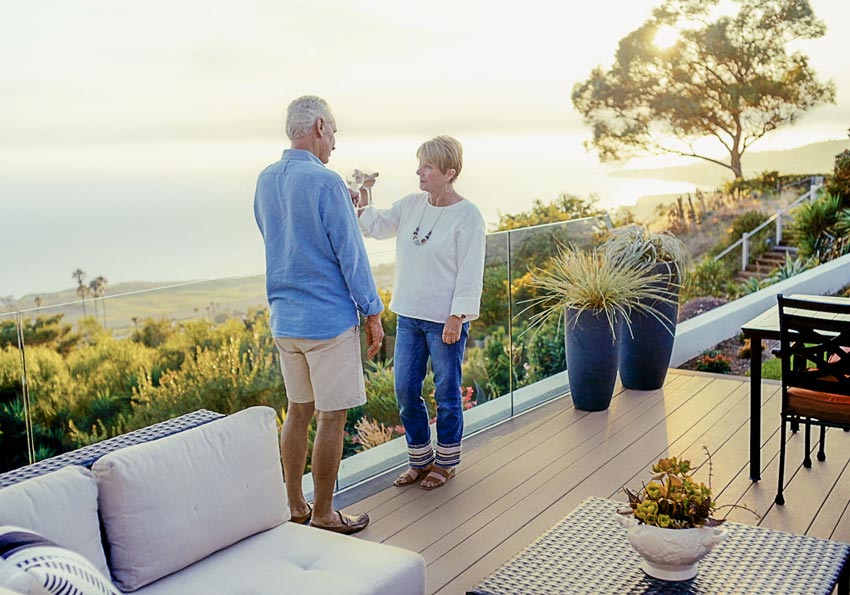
<point>61,506</point>
<point>171,502</point>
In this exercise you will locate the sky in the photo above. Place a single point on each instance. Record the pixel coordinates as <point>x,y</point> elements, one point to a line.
<point>132,132</point>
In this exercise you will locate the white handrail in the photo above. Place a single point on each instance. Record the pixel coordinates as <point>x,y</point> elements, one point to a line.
<point>811,194</point>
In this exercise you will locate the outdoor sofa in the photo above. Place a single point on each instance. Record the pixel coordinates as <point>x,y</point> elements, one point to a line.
<point>202,511</point>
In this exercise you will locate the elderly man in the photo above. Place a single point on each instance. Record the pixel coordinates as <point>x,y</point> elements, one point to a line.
<point>317,279</point>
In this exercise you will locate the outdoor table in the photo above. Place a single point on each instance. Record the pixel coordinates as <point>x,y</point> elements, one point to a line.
<point>87,455</point>
<point>766,326</point>
<point>588,553</point>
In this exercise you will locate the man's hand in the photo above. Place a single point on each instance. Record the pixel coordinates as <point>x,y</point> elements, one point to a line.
<point>374,335</point>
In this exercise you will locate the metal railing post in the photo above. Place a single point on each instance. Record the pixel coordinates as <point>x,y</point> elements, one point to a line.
<point>745,250</point>
<point>778,228</point>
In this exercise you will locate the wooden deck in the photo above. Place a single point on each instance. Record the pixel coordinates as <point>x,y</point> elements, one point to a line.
<point>521,477</point>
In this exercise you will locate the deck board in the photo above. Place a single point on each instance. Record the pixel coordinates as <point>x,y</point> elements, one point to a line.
<point>520,478</point>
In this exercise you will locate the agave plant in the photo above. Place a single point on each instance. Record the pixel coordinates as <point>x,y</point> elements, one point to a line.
<point>591,280</point>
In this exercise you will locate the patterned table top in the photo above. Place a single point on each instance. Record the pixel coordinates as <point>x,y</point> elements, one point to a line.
<point>588,553</point>
<point>87,455</point>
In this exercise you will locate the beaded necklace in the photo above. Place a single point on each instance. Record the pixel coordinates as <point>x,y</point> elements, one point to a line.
<point>416,239</point>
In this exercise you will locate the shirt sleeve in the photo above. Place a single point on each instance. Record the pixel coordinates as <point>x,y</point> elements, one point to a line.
<point>381,223</point>
<point>466,300</point>
<point>340,224</point>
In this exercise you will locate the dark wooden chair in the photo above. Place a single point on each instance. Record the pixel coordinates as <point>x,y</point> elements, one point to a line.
<point>815,348</point>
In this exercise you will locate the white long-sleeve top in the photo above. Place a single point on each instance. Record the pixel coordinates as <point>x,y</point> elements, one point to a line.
<point>443,276</point>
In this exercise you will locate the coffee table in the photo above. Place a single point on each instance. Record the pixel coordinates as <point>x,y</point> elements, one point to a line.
<point>588,553</point>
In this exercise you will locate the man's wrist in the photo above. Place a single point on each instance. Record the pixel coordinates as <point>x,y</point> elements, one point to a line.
<point>460,316</point>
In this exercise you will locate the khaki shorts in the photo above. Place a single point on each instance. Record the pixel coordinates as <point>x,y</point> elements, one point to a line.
<point>328,372</point>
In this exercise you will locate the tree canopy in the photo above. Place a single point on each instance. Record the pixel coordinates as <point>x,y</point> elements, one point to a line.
<point>730,78</point>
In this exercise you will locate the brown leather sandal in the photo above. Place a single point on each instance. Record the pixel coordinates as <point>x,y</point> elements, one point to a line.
<point>303,519</point>
<point>437,477</point>
<point>411,476</point>
<point>350,524</point>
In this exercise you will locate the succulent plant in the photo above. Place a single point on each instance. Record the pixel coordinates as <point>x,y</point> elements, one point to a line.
<point>673,499</point>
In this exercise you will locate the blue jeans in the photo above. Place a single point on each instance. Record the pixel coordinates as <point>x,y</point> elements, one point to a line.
<point>416,342</point>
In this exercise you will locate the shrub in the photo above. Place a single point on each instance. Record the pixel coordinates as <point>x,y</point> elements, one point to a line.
<point>709,278</point>
<point>714,361</point>
<point>814,223</point>
<point>838,183</point>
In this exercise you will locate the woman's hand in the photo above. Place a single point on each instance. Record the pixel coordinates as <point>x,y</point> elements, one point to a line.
<point>451,330</point>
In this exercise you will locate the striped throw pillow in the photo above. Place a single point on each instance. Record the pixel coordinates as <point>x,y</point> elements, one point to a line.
<point>56,569</point>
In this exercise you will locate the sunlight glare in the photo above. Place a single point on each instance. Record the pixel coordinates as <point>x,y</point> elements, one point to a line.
<point>665,37</point>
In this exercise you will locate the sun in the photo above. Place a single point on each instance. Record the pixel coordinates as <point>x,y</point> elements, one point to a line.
<point>666,37</point>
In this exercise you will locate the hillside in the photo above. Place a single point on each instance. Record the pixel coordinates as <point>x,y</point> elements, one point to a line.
<point>126,301</point>
<point>816,157</point>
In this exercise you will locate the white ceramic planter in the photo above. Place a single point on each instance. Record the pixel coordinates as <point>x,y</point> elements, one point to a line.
<point>671,554</point>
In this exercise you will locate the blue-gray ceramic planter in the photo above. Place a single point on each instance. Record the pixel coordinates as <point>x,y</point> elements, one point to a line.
<point>592,357</point>
<point>645,352</point>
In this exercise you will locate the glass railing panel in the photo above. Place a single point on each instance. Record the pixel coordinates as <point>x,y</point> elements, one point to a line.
<point>15,447</point>
<point>102,366</point>
<point>539,360</point>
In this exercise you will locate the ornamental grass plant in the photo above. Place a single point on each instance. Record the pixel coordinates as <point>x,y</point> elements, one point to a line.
<point>589,280</point>
<point>638,245</point>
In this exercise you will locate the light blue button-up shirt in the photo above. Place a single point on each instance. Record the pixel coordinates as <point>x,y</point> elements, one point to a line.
<point>317,272</point>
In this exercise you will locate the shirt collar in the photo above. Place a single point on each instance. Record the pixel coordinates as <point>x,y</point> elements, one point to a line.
<point>301,155</point>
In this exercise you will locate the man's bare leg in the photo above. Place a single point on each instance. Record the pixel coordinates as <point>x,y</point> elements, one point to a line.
<point>327,452</point>
<point>293,450</point>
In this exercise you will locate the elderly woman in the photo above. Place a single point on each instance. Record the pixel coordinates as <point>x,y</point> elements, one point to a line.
<point>437,291</point>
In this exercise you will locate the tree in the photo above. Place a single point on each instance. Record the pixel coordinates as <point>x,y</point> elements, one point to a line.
<point>82,290</point>
<point>97,288</point>
<point>730,78</point>
<point>563,208</point>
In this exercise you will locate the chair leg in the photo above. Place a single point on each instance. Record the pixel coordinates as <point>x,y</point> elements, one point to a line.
<point>822,448</point>
<point>795,425</point>
<point>807,460</point>
<point>780,499</point>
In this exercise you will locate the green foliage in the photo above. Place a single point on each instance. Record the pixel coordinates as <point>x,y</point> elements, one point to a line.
<point>381,403</point>
<point>44,330</point>
<point>791,268</point>
<point>815,224</point>
<point>714,361</point>
<point>838,183</point>
<point>153,332</point>
<point>726,77</point>
<point>564,208</point>
<point>546,353</point>
<point>673,500</point>
<point>771,369</point>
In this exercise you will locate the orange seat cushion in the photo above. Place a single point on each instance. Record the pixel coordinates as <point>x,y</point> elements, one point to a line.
<point>819,405</point>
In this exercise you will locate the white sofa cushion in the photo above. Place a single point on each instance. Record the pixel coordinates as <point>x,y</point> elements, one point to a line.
<point>61,506</point>
<point>292,559</point>
<point>58,570</point>
<point>171,502</point>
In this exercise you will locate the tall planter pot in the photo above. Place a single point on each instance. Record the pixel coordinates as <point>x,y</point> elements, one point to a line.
<point>591,358</point>
<point>645,352</point>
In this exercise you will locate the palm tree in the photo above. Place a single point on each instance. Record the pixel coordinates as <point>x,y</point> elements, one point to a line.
<point>98,287</point>
<point>82,290</point>
<point>38,301</point>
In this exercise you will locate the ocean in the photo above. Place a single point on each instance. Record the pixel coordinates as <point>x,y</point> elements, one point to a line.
<point>182,211</point>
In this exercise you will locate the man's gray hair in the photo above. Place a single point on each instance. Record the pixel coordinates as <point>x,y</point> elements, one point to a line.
<point>302,114</point>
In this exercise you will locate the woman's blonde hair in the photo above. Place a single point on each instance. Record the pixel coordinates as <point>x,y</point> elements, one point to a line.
<point>443,152</point>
